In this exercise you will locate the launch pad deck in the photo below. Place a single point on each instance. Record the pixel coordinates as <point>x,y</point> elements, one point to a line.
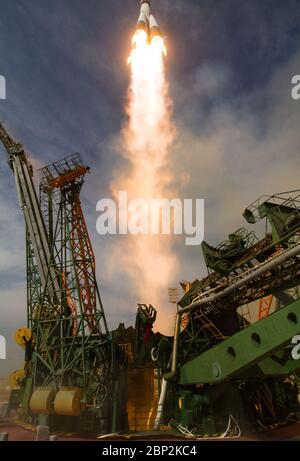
<point>19,433</point>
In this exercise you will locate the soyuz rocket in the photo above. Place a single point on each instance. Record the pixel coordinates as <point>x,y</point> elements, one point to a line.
<point>147,21</point>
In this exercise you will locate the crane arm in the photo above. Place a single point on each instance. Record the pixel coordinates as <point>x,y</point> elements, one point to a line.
<point>30,206</point>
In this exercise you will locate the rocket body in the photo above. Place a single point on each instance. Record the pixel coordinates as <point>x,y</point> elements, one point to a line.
<point>147,21</point>
<point>144,18</point>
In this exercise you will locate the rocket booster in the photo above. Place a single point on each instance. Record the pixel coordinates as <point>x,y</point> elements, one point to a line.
<point>147,21</point>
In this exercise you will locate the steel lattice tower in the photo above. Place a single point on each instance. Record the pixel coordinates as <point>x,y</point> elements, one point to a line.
<point>70,324</point>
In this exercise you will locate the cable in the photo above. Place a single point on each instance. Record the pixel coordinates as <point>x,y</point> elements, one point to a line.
<point>230,420</point>
<point>191,433</point>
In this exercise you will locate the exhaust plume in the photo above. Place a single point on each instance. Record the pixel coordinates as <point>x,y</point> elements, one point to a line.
<point>148,136</point>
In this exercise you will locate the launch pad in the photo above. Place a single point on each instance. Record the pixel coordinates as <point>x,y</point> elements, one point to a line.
<point>223,373</point>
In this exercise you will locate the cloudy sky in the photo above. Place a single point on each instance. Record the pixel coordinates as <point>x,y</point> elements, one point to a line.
<point>230,64</point>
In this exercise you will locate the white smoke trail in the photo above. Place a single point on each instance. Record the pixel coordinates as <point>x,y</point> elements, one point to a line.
<point>148,137</point>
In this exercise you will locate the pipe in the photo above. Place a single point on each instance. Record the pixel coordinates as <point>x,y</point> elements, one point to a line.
<point>163,391</point>
<point>256,273</point>
<point>160,405</point>
<point>168,376</point>
<point>267,266</point>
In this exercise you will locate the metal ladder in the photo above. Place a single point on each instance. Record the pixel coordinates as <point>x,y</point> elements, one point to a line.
<point>208,325</point>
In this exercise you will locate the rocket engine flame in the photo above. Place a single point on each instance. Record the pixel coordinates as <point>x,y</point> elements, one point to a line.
<point>148,136</point>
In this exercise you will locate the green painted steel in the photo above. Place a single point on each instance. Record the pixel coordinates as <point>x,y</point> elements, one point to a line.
<point>284,220</point>
<point>225,256</point>
<point>275,366</point>
<point>281,210</point>
<point>244,349</point>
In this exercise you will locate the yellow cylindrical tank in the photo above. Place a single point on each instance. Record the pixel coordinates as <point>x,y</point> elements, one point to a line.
<point>68,401</point>
<point>42,399</point>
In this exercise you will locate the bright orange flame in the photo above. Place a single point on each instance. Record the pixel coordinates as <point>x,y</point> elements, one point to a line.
<point>148,136</point>
<point>150,51</point>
